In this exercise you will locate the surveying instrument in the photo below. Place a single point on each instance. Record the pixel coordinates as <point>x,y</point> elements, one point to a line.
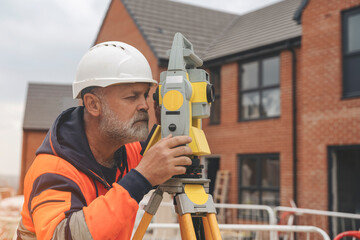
<point>185,95</point>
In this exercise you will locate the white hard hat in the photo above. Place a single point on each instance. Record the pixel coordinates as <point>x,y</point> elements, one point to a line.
<point>111,63</point>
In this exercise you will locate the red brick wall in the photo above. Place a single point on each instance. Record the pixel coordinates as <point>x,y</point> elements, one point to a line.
<point>324,117</point>
<point>31,142</point>
<point>231,137</point>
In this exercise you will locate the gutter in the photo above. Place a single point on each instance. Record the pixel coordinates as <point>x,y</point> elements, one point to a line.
<point>252,53</point>
<point>298,14</point>
<point>294,121</point>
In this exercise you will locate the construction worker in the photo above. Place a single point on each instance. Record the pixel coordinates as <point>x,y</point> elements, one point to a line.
<point>88,175</point>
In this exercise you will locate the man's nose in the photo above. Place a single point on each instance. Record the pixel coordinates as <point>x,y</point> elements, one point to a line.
<point>143,105</point>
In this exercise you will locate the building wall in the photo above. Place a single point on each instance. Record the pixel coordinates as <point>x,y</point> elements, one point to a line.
<point>231,138</point>
<point>324,117</point>
<point>31,142</point>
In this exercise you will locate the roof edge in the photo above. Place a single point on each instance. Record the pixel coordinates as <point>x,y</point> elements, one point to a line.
<point>102,24</point>
<point>263,50</point>
<point>298,13</point>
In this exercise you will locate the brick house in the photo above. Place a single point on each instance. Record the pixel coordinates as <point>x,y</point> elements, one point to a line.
<point>44,102</point>
<point>286,121</point>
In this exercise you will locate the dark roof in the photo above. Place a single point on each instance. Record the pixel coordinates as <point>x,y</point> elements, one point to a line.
<point>159,20</point>
<point>263,27</point>
<point>44,103</point>
<point>214,34</point>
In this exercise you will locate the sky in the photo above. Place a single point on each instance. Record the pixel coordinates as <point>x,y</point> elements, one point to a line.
<point>42,41</point>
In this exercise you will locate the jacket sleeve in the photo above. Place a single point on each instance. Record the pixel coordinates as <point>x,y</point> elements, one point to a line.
<point>76,224</point>
<point>121,205</point>
<point>57,209</point>
<point>52,199</point>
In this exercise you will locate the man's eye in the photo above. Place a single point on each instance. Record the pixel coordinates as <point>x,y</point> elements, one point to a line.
<point>131,97</point>
<point>146,95</point>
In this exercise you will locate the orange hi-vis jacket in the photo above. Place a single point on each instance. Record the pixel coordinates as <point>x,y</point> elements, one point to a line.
<point>68,195</point>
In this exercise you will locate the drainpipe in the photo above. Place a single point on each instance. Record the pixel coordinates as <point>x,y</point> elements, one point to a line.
<point>294,122</point>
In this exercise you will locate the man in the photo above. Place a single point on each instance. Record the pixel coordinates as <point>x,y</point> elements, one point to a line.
<point>88,176</point>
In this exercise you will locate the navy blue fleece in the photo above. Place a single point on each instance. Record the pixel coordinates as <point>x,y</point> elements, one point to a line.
<point>136,184</point>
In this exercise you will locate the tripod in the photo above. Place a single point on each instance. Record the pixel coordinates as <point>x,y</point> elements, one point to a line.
<point>191,200</point>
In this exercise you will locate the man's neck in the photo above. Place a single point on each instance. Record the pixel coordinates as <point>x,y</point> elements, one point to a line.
<point>101,146</point>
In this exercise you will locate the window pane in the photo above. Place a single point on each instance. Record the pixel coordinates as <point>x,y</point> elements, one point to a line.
<point>215,111</point>
<point>271,102</point>
<point>271,67</point>
<point>354,33</point>
<point>270,173</point>
<point>215,79</point>
<point>215,106</point>
<point>250,197</point>
<point>250,105</point>
<point>248,172</point>
<point>270,198</point>
<point>249,77</point>
<point>352,76</point>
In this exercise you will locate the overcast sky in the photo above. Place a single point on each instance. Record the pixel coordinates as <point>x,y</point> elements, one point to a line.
<point>43,41</point>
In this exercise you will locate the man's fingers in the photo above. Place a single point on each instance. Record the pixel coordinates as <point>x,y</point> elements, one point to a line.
<point>182,161</point>
<point>178,141</point>
<point>179,170</point>
<point>181,151</point>
<point>166,138</point>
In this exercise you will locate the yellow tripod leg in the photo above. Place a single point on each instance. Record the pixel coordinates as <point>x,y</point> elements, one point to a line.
<point>211,217</point>
<point>186,227</point>
<point>182,231</point>
<point>207,229</point>
<point>143,225</point>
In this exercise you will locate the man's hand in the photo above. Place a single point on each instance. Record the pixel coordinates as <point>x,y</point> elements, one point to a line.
<point>165,159</point>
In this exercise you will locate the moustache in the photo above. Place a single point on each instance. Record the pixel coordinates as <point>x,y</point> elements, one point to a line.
<point>141,116</point>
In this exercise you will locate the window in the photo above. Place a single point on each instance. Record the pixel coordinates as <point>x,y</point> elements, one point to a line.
<point>211,167</point>
<point>215,106</point>
<point>259,89</point>
<point>259,178</point>
<point>351,53</point>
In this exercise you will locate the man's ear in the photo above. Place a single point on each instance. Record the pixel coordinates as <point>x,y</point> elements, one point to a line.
<point>92,104</point>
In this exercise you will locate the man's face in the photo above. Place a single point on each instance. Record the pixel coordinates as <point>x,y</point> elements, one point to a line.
<point>124,115</point>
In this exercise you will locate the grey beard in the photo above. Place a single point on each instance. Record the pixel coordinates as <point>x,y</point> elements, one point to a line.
<point>124,132</point>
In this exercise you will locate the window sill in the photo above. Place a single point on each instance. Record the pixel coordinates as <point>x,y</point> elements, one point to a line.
<point>258,119</point>
<point>350,96</point>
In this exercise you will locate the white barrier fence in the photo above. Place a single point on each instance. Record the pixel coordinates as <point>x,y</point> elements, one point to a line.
<point>303,225</point>
<point>333,222</point>
<point>306,224</point>
<point>242,230</point>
